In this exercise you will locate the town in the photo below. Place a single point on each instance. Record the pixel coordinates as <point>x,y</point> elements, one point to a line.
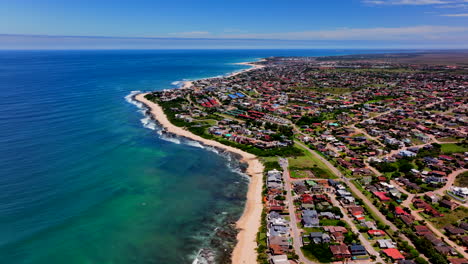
<point>365,159</point>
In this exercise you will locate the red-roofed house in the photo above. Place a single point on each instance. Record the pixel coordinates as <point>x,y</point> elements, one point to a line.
<point>393,253</point>
<point>382,196</point>
<point>376,232</point>
<point>400,211</point>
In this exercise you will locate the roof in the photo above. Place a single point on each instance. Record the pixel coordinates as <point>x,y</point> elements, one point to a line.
<point>376,232</point>
<point>393,253</point>
<point>400,211</point>
<point>280,259</point>
<point>382,196</point>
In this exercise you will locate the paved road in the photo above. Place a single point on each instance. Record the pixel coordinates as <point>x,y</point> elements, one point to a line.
<point>418,217</point>
<point>450,181</point>
<point>438,233</point>
<point>366,243</point>
<point>296,233</point>
<point>358,193</point>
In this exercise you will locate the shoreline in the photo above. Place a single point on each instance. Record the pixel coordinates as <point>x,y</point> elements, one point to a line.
<point>189,84</point>
<point>250,220</point>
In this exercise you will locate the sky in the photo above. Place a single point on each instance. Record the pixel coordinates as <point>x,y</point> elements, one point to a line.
<point>143,24</point>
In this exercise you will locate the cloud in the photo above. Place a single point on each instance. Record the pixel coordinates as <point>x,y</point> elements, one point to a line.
<point>378,33</point>
<point>408,2</point>
<point>191,34</point>
<point>455,15</point>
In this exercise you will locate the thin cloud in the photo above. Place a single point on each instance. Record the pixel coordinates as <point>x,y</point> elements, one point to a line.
<point>191,34</point>
<point>411,2</point>
<point>380,33</point>
<point>455,15</point>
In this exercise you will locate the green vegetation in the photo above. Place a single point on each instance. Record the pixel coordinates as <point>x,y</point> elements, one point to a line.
<point>318,252</point>
<point>450,148</point>
<point>262,257</point>
<point>169,108</point>
<point>450,217</point>
<point>462,180</point>
<point>310,162</point>
<point>425,247</point>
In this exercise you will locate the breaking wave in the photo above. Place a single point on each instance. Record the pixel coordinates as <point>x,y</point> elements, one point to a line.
<point>207,253</point>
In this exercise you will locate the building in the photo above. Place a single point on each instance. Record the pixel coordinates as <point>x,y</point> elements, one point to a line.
<point>393,253</point>
<point>340,251</point>
<point>357,250</point>
<point>280,259</point>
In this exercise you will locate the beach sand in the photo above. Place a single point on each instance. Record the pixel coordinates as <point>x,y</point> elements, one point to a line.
<point>189,84</point>
<point>249,223</point>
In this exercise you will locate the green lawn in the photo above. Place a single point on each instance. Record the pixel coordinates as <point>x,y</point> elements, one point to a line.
<point>299,173</point>
<point>318,252</point>
<point>310,162</point>
<point>453,148</point>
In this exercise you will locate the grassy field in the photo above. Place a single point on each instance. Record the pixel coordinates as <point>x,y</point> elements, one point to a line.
<point>450,217</point>
<point>453,148</point>
<point>309,162</point>
<point>448,139</point>
<point>462,180</point>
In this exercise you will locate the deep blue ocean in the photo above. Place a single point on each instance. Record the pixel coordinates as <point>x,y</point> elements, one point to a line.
<point>84,175</point>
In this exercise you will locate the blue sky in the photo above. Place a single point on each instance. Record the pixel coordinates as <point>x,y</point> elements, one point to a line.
<point>238,23</point>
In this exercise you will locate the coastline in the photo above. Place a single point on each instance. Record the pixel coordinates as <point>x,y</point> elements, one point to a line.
<point>249,223</point>
<point>189,84</point>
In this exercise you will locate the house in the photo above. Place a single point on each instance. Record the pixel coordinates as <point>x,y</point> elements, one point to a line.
<point>421,230</point>
<point>445,250</point>
<point>329,215</point>
<point>406,261</point>
<point>280,259</point>
<point>310,218</point>
<point>407,219</point>
<point>385,243</point>
<point>448,204</point>
<point>464,225</point>
<point>357,250</point>
<point>431,197</point>
<point>376,233</point>
<point>393,253</point>
<point>400,211</point>
<point>340,251</point>
<point>458,261</point>
<point>434,240</point>
<point>279,244</point>
<point>382,196</point>
<point>316,237</point>
<point>274,180</point>
<point>460,191</point>
<point>456,231</point>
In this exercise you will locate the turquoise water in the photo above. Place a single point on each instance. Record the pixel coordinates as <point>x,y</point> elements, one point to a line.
<point>85,178</point>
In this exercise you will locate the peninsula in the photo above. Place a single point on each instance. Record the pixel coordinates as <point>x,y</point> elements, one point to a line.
<point>359,158</point>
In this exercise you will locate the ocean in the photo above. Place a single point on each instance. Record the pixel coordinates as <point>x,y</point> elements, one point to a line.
<point>85,177</point>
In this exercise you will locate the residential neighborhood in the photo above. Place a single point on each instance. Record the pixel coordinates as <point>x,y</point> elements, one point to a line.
<point>365,160</point>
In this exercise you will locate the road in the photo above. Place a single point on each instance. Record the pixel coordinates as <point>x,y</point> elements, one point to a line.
<point>296,233</point>
<point>438,233</point>
<point>355,230</point>
<point>358,193</point>
<point>450,181</point>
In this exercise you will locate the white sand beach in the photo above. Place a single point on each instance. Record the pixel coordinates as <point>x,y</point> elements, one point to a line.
<point>249,223</point>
